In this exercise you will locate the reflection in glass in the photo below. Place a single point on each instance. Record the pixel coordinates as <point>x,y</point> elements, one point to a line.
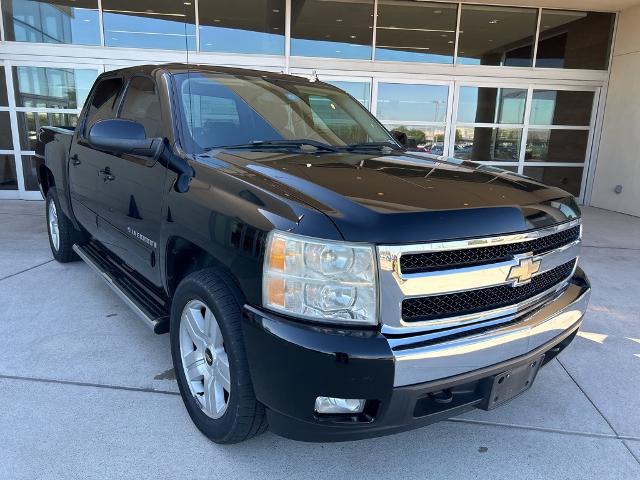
<point>572,39</point>
<point>420,138</point>
<point>416,31</point>
<point>412,102</point>
<point>52,21</point>
<point>30,165</point>
<point>6,142</point>
<point>557,146</point>
<point>567,178</point>
<point>4,101</point>
<point>29,124</point>
<point>44,87</point>
<point>149,24</point>
<point>257,27</point>
<point>561,107</point>
<point>338,29</point>
<point>496,35</point>
<point>361,91</point>
<point>483,144</point>
<point>8,177</point>
<point>491,105</point>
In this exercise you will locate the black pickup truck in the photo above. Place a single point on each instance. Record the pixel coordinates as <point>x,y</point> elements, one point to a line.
<point>315,276</point>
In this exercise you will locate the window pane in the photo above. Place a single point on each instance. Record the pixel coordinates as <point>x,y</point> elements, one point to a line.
<point>142,104</point>
<point>361,91</point>
<point>339,29</point>
<point>103,102</point>
<point>8,178</point>
<point>52,21</point>
<point>6,142</point>
<point>496,35</point>
<point>570,39</point>
<point>149,24</point>
<point>407,102</point>
<point>491,105</point>
<point>52,87</point>
<point>30,165</point>
<point>416,31</point>
<point>567,178</point>
<point>29,123</point>
<point>4,101</point>
<point>257,27</point>
<point>483,144</point>
<point>561,107</point>
<point>557,146</point>
<point>423,139</point>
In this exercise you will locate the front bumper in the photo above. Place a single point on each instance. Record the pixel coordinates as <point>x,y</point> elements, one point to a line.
<point>292,363</point>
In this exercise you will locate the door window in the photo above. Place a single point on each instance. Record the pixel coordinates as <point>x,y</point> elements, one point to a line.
<point>103,102</point>
<point>141,104</point>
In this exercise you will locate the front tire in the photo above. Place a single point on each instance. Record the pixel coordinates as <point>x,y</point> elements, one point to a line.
<point>209,358</point>
<point>62,233</point>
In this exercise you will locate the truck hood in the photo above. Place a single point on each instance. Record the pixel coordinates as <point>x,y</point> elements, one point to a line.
<point>409,198</point>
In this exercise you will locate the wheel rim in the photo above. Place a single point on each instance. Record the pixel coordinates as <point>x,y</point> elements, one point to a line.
<point>54,231</point>
<point>205,362</point>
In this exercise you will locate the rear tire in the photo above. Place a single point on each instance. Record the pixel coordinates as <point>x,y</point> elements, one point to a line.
<point>209,358</point>
<point>62,233</point>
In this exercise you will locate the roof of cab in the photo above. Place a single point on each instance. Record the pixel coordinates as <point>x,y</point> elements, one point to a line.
<point>174,68</point>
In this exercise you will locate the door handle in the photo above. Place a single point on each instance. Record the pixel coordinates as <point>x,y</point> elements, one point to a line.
<point>75,161</point>
<point>106,174</point>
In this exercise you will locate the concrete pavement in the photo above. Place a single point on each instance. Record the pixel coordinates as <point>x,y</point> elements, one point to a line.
<point>87,391</point>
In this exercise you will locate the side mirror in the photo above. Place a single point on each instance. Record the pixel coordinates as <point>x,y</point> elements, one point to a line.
<point>120,136</point>
<point>400,137</point>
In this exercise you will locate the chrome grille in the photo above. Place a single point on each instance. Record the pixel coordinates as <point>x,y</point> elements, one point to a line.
<point>439,286</point>
<point>464,303</point>
<point>443,260</point>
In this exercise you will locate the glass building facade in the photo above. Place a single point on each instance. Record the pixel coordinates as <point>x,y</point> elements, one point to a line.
<point>518,87</point>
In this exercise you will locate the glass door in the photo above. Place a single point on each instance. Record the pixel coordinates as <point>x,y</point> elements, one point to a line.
<point>542,131</point>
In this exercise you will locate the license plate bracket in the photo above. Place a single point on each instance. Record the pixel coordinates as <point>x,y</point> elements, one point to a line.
<point>507,385</point>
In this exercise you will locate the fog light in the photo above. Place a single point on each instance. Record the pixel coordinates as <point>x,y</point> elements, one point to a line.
<point>339,405</point>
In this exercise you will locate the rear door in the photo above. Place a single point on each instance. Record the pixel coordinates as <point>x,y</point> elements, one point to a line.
<point>131,190</point>
<point>84,161</point>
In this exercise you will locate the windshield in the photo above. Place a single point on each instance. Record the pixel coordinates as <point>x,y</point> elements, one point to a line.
<point>222,110</point>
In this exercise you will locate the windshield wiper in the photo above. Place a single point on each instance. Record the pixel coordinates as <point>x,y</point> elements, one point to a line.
<point>309,146</point>
<point>385,147</point>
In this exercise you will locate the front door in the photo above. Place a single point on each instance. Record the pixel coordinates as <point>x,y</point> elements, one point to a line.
<point>132,191</point>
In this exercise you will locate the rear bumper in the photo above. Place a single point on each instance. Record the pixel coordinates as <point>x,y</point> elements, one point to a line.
<point>293,363</point>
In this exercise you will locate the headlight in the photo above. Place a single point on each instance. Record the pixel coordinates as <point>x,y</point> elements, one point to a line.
<point>320,280</point>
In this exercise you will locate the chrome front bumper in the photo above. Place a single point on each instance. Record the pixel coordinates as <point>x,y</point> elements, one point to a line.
<point>420,362</point>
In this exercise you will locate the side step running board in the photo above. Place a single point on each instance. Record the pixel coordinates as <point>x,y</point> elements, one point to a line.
<point>151,308</point>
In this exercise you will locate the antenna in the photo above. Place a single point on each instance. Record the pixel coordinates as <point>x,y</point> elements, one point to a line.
<point>314,76</point>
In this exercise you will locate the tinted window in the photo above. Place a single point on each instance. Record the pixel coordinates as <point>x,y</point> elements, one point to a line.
<point>416,31</point>
<point>561,107</point>
<point>257,27</point>
<point>8,178</point>
<point>6,143</point>
<point>409,102</point>
<point>361,91</point>
<point>497,35</point>
<point>340,29</point>
<point>557,145</point>
<point>491,105</point>
<point>149,24</point>
<point>52,21</point>
<point>3,88</point>
<point>141,103</point>
<point>103,101</point>
<point>45,87</point>
<point>571,39</point>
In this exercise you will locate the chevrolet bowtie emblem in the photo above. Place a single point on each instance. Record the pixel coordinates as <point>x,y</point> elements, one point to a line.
<point>520,274</point>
